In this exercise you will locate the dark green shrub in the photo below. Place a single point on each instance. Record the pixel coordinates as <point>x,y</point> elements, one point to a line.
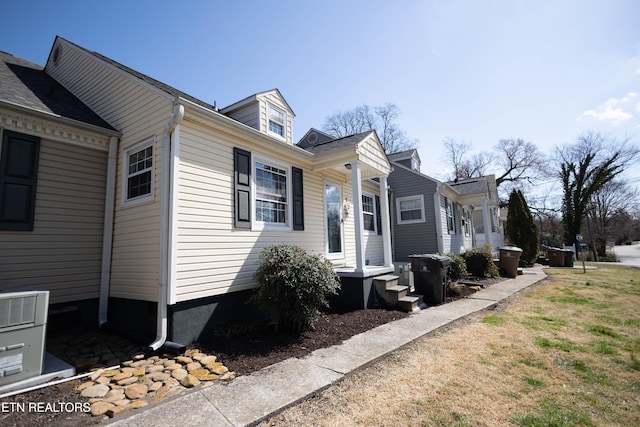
<point>293,286</point>
<point>457,267</point>
<point>479,262</point>
<point>521,229</point>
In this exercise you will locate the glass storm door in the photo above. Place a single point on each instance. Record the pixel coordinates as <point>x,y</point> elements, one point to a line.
<point>333,212</point>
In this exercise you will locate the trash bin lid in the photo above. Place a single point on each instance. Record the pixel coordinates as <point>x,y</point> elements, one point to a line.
<point>432,258</point>
<point>510,248</point>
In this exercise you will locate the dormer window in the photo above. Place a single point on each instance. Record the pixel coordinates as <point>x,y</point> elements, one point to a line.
<point>277,120</point>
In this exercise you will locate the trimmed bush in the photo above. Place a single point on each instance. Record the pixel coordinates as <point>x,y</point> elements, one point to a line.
<point>479,262</point>
<point>457,267</point>
<point>293,286</point>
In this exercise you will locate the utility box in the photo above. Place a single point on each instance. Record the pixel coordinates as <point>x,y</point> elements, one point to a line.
<point>23,321</point>
<point>430,276</point>
<point>509,259</point>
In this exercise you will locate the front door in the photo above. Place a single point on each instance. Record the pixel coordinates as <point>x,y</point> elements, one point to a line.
<point>333,219</point>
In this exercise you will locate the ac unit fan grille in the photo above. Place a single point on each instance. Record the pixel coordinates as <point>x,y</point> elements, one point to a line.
<point>17,311</point>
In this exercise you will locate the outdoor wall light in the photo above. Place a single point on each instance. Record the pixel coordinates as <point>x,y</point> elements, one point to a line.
<point>348,166</point>
<point>347,207</point>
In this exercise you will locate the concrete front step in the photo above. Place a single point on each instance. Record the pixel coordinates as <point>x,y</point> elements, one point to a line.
<point>388,280</point>
<point>410,303</point>
<point>394,294</point>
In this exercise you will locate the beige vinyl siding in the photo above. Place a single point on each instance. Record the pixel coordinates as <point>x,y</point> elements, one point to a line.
<point>140,113</point>
<point>212,257</point>
<point>63,252</point>
<point>371,154</point>
<point>247,115</point>
<point>373,245</point>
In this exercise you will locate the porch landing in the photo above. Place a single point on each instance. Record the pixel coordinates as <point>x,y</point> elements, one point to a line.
<point>368,271</point>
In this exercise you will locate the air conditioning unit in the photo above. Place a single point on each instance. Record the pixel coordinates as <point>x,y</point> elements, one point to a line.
<point>23,320</point>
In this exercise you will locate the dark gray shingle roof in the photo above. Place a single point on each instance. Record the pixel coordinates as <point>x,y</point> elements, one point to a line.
<point>336,144</point>
<point>470,186</point>
<point>26,84</point>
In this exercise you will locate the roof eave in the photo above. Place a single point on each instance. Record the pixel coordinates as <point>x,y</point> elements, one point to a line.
<point>61,119</point>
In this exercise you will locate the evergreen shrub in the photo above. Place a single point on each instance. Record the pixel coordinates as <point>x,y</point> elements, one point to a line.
<point>479,262</point>
<point>293,286</point>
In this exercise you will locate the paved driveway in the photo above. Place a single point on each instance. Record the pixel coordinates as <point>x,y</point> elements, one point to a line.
<point>628,255</point>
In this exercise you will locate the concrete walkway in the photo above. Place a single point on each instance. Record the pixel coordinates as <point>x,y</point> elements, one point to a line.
<point>247,400</point>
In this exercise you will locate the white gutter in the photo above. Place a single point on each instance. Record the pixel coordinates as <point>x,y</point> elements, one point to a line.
<point>165,227</point>
<point>107,231</point>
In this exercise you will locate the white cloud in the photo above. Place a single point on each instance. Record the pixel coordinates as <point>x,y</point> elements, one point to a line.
<point>613,109</point>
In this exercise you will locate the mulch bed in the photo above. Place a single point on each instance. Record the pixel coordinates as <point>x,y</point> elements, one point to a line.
<point>242,350</point>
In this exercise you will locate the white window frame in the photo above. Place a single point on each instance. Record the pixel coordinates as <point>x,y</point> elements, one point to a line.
<point>270,108</point>
<point>266,225</point>
<point>333,255</point>
<point>399,200</point>
<point>126,156</point>
<point>374,219</point>
<point>451,215</point>
<point>466,222</point>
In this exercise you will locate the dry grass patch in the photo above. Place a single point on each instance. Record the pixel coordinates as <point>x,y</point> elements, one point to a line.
<point>565,353</point>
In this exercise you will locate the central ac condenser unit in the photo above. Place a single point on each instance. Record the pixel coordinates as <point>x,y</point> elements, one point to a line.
<point>23,320</point>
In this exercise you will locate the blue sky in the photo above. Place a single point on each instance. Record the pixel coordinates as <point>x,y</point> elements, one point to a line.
<point>473,70</point>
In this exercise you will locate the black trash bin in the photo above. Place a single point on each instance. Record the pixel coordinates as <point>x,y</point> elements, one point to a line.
<point>568,257</point>
<point>430,276</point>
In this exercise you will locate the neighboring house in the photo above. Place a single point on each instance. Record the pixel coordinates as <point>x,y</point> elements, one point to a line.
<point>487,215</point>
<point>186,197</point>
<point>430,216</point>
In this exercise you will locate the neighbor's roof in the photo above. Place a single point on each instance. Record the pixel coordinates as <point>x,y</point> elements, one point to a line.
<point>470,186</point>
<point>337,144</point>
<point>27,85</point>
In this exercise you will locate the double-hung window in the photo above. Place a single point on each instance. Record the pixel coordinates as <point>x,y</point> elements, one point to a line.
<point>139,176</point>
<point>410,209</point>
<point>271,194</point>
<point>277,120</point>
<point>368,213</point>
<point>466,222</point>
<point>451,219</point>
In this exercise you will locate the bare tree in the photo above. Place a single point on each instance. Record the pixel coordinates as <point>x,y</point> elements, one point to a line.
<point>382,119</point>
<point>456,151</point>
<point>609,213</point>
<point>519,161</point>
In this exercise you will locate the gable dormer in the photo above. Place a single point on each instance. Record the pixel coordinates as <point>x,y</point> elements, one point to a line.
<point>267,112</point>
<point>409,159</point>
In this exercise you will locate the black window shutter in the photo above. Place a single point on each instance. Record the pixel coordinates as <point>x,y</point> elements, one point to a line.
<point>18,176</point>
<point>242,190</point>
<point>298,199</point>
<point>378,216</point>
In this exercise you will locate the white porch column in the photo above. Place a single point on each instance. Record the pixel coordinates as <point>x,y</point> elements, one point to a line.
<point>488,229</point>
<point>385,221</point>
<point>356,186</point>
